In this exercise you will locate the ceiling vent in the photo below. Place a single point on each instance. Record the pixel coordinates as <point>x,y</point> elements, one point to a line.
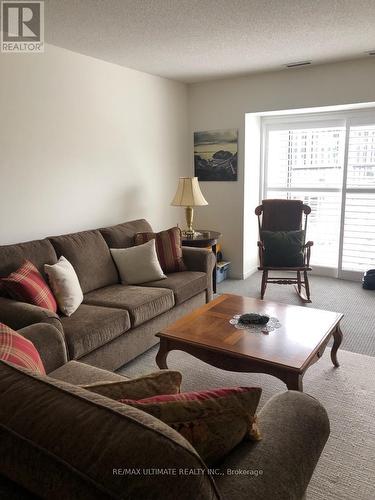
<point>297,64</point>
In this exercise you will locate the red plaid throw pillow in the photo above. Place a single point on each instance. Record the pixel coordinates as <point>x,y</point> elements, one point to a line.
<point>168,248</point>
<point>19,351</point>
<point>27,285</point>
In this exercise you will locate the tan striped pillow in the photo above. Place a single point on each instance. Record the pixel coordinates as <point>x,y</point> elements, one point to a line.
<point>168,248</point>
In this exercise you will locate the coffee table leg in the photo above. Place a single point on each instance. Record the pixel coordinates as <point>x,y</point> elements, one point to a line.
<point>337,335</point>
<point>161,357</point>
<point>294,382</point>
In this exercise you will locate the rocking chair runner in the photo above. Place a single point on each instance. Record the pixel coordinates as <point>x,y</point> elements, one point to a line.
<point>284,215</point>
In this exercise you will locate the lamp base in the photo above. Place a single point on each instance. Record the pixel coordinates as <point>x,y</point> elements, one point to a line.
<point>189,214</point>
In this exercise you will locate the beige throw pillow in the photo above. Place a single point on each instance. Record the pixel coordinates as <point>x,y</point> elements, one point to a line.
<point>138,264</point>
<point>65,285</point>
<point>162,382</point>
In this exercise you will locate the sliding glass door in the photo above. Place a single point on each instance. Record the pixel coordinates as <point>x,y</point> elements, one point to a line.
<point>329,164</point>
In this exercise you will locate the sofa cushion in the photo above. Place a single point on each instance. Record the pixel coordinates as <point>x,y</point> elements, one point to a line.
<point>184,284</point>
<point>122,235</point>
<point>63,442</point>
<point>90,256</point>
<point>142,303</point>
<point>77,373</point>
<point>91,327</point>
<point>38,252</point>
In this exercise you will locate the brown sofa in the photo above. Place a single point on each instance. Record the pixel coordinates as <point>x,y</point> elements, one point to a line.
<point>59,441</point>
<point>115,323</point>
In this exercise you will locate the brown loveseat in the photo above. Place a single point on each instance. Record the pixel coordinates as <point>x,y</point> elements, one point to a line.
<point>59,441</point>
<point>115,323</point>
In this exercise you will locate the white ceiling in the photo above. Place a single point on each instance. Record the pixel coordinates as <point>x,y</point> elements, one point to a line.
<point>194,40</point>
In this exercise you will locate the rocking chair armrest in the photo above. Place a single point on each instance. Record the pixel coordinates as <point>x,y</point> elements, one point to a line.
<point>260,251</point>
<point>307,252</point>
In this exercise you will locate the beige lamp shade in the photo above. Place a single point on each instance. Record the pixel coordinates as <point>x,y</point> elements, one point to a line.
<point>188,193</point>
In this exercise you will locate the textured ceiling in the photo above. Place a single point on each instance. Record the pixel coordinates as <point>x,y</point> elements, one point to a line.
<point>193,40</point>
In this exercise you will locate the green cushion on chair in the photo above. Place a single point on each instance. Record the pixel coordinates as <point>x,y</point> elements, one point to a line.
<point>283,248</point>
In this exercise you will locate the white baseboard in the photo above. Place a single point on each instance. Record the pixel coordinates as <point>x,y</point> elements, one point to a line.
<point>328,272</point>
<point>316,271</point>
<point>252,271</point>
<point>243,276</point>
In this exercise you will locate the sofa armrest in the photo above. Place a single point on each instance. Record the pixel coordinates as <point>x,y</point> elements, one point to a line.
<point>16,314</point>
<point>203,260</point>
<point>294,428</point>
<point>12,491</point>
<point>69,443</point>
<point>49,342</point>
<point>198,259</point>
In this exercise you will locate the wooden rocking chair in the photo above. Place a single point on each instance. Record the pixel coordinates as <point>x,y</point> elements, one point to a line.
<point>285,215</point>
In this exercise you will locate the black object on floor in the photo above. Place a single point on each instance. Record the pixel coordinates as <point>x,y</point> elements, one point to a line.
<point>368,281</point>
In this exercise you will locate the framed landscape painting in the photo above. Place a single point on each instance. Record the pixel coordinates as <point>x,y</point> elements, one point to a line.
<point>215,155</point>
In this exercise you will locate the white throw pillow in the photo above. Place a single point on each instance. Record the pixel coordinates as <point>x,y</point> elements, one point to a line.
<point>65,285</point>
<point>138,264</point>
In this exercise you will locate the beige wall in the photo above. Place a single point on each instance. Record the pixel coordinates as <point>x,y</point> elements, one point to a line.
<point>85,143</point>
<point>223,104</point>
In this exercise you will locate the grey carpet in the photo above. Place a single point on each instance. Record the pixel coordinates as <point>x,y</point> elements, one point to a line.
<point>346,470</point>
<point>348,297</point>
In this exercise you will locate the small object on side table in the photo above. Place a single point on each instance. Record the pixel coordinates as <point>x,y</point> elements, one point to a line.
<point>202,239</point>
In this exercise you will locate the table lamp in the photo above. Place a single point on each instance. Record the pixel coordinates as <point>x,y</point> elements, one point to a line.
<point>188,195</point>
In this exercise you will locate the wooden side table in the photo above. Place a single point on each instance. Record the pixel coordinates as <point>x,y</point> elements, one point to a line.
<point>202,239</point>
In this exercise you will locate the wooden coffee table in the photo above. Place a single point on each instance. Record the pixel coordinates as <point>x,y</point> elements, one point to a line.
<point>285,353</point>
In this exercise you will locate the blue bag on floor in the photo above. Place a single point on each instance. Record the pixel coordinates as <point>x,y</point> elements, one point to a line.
<point>368,280</point>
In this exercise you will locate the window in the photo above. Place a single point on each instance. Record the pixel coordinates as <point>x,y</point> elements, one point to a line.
<point>329,163</point>
<point>358,252</point>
